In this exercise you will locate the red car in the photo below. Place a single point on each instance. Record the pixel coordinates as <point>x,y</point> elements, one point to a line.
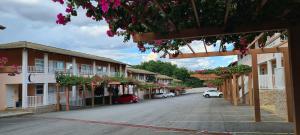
<point>126,98</point>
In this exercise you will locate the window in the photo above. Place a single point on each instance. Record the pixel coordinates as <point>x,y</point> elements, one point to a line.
<point>39,89</point>
<point>69,67</point>
<point>86,69</point>
<point>141,77</point>
<point>39,65</point>
<point>58,65</point>
<point>99,69</point>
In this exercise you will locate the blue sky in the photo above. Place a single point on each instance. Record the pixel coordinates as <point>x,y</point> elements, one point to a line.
<point>34,21</point>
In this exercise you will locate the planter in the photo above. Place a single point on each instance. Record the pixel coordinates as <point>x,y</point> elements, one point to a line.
<point>8,70</point>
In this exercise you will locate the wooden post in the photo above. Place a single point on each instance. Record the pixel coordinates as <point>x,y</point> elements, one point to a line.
<point>250,90</point>
<point>57,97</point>
<point>229,96</point>
<point>67,99</point>
<point>93,94</point>
<point>255,88</point>
<point>243,89</point>
<point>294,55</point>
<point>225,89</point>
<point>234,90</point>
<point>288,87</point>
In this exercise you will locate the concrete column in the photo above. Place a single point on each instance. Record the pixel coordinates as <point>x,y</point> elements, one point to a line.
<point>145,78</point>
<point>45,88</point>
<point>24,78</point>
<point>74,72</point>
<point>94,68</point>
<point>278,60</point>
<point>125,70</point>
<point>270,74</point>
<point>45,96</point>
<point>108,69</point>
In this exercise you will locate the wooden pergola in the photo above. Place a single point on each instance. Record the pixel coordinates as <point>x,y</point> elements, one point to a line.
<point>280,22</point>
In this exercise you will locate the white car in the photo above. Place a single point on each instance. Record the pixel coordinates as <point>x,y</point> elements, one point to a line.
<point>170,94</point>
<point>160,95</point>
<point>212,93</point>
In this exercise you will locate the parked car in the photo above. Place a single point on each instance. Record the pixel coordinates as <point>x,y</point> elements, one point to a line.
<point>170,94</point>
<point>160,95</point>
<point>126,98</point>
<point>212,93</point>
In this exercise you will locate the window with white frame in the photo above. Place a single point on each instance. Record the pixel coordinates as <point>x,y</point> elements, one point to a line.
<point>86,68</point>
<point>58,65</point>
<point>99,69</point>
<point>39,65</point>
<point>39,89</point>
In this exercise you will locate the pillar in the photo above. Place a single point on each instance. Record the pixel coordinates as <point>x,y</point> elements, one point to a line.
<point>108,68</point>
<point>94,68</point>
<point>45,86</point>
<point>270,75</point>
<point>294,36</point>
<point>74,72</point>
<point>278,60</point>
<point>126,75</point>
<point>24,78</point>
<point>255,88</point>
<point>250,90</point>
<point>235,90</point>
<point>243,89</point>
<point>288,87</point>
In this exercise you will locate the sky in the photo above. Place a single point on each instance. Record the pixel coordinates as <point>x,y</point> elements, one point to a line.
<point>34,21</point>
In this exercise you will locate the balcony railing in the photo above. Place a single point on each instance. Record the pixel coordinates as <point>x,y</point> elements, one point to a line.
<point>36,69</point>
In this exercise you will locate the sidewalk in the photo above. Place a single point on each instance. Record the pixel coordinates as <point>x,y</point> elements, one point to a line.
<point>6,114</point>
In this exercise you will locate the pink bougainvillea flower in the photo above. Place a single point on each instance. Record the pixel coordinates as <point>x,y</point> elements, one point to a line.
<point>104,5</point>
<point>116,4</point>
<point>110,33</point>
<point>61,19</point>
<point>60,1</point>
<point>69,8</point>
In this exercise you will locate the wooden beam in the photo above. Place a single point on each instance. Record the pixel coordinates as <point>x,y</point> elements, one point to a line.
<point>228,53</point>
<point>191,48</point>
<point>256,38</point>
<point>196,13</point>
<point>288,86</point>
<point>209,31</point>
<point>294,36</point>
<point>250,90</point>
<point>255,88</point>
<point>205,76</point>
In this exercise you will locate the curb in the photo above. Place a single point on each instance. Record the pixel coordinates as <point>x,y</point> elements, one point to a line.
<point>16,115</point>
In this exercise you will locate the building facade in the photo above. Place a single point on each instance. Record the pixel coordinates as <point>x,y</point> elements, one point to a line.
<point>270,75</point>
<point>37,64</point>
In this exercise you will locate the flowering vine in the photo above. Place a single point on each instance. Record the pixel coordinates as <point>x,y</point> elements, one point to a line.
<point>128,17</point>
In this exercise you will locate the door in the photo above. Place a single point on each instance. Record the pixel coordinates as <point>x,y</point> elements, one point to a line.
<point>10,100</point>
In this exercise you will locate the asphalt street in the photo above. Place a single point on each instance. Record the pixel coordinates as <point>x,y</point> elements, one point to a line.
<point>187,114</point>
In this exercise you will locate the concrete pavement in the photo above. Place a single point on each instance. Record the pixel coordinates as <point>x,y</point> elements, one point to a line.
<point>188,114</point>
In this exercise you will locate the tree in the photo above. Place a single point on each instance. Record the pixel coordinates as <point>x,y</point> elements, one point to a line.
<point>172,70</point>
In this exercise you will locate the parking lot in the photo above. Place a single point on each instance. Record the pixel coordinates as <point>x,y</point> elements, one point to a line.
<point>186,114</point>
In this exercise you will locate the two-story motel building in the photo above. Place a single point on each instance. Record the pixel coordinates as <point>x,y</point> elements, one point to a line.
<point>37,65</point>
